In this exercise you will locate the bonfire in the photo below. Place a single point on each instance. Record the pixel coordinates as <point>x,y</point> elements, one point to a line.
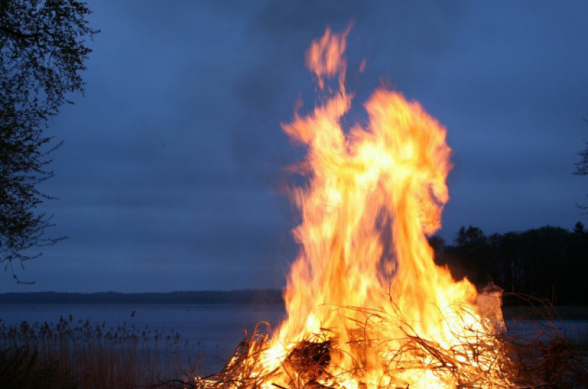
<point>366,305</point>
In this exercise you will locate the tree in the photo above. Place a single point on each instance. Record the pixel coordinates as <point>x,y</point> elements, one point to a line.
<point>579,229</point>
<point>472,246</point>
<point>471,238</point>
<point>582,168</point>
<point>42,53</point>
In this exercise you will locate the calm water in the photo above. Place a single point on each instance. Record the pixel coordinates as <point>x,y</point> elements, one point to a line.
<point>215,330</point>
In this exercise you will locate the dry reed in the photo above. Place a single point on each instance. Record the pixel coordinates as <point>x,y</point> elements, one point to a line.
<point>87,356</point>
<point>480,359</point>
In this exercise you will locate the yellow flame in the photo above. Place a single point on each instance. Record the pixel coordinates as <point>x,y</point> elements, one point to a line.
<point>365,280</point>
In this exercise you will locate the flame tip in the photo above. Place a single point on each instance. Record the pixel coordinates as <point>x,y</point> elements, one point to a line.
<point>367,306</point>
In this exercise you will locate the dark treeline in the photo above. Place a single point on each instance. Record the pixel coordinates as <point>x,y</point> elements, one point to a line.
<point>548,262</point>
<point>257,296</point>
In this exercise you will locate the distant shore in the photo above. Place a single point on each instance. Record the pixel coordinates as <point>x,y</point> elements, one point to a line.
<point>252,296</point>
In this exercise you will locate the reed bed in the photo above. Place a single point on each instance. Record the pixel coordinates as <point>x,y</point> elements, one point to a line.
<point>546,356</point>
<point>79,354</point>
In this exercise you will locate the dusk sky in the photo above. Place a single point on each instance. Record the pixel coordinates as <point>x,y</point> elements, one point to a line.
<point>172,162</point>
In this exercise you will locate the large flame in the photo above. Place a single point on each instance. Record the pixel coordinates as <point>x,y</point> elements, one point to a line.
<point>367,306</point>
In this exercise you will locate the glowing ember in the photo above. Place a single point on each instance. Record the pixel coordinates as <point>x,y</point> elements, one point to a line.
<point>367,307</point>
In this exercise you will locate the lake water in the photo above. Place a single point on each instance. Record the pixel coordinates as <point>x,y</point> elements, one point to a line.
<point>214,330</point>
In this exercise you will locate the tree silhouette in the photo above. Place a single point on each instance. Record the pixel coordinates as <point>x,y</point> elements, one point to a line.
<point>42,53</point>
<point>582,169</point>
<point>547,262</point>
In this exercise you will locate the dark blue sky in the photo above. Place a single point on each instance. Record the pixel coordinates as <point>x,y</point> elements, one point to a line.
<point>168,176</point>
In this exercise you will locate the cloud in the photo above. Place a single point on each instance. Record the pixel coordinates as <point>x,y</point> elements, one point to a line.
<point>170,159</point>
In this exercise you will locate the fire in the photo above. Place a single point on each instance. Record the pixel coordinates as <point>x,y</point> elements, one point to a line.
<point>367,307</point>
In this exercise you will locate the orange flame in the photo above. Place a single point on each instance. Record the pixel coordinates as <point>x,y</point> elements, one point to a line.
<point>365,281</point>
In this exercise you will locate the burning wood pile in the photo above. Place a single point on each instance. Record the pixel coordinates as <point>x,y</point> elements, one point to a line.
<point>367,307</point>
<point>477,362</point>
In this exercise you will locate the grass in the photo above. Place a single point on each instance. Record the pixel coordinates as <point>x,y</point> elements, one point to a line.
<point>81,355</point>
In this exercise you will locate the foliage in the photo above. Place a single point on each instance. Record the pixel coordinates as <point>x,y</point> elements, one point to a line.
<point>548,262</point>
<point>582,168</point>
<point>42,53</point>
